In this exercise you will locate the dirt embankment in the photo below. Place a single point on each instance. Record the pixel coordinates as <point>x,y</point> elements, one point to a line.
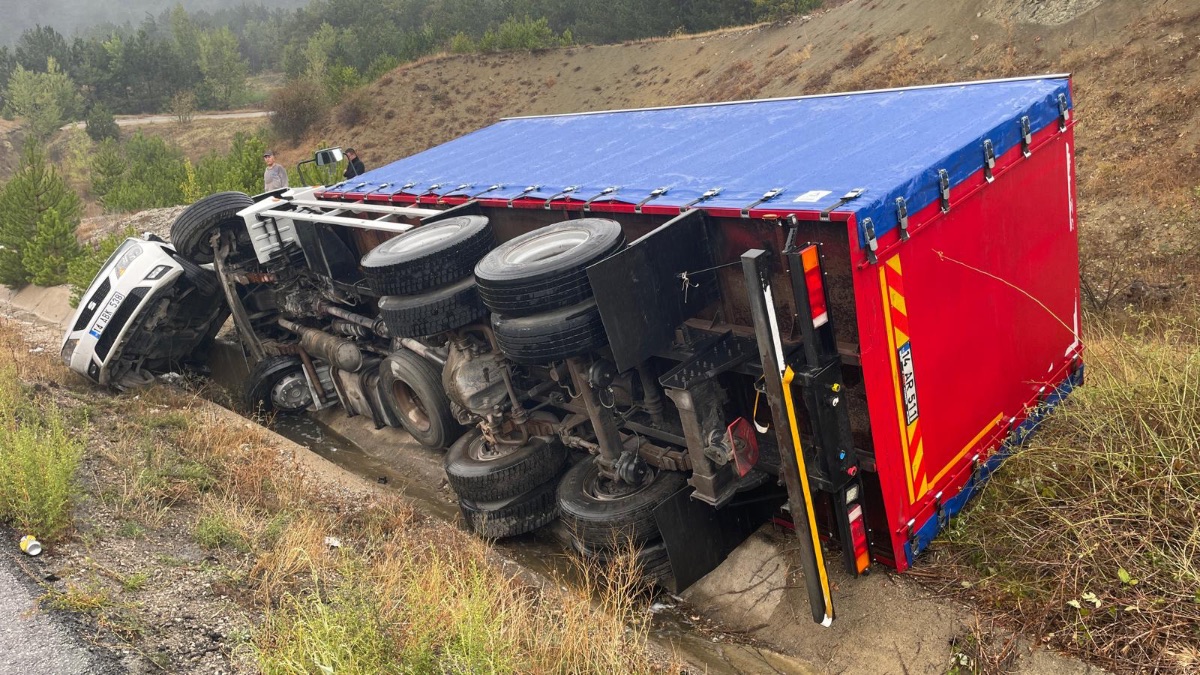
<point>1137,85</point>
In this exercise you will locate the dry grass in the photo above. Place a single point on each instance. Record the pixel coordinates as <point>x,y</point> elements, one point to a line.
<point>1090,536</point>
<point>345,578</point>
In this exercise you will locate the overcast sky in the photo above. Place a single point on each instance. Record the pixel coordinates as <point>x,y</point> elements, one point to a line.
<point>68,16</point>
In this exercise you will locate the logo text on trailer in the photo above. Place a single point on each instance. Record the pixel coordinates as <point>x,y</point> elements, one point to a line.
<point>908,381</point>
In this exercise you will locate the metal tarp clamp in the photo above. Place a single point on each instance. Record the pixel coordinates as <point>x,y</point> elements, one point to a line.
<point>902,217</point>
<point>491,188</point>
<point>522,193</point>
<point>989,160</point>
<point>708,194</point>
<point>654,194</point>
<point>565,191</point>
<point>587,206</point>
<point>868,227</point>
<point>944,189</point>
<point>1026,136</point>
<point>767,196</point>
<point>442,200</point>
<point>848,197</point>
<point>1064,112</point>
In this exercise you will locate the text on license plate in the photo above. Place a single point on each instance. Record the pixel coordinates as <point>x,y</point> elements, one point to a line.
<point>106,315</point>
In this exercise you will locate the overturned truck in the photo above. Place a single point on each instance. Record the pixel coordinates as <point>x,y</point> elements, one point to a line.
<point>663,326</point>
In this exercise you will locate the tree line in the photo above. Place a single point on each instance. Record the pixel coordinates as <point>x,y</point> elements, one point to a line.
<point>203,59</point>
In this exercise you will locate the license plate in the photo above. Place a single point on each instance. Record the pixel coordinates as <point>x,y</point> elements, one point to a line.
<point>106,315</point>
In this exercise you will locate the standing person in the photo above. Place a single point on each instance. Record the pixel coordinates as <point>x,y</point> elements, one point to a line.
<point>354,165</point>
<point>275,176</point>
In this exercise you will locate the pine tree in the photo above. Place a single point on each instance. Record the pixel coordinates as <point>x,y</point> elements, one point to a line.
<point>34,189</point>
<point>53,248</point>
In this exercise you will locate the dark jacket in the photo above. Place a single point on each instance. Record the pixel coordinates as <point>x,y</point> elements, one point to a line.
<point>354,168</point>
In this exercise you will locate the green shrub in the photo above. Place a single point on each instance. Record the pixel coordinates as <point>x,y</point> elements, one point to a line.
<point>461,43</point>
<point>39,456</point>
<point>297,106</point>
<point>46,257</point>
<point>35,189</point>
<point>776,10</point>
<point>153,178</point>
<point>525,33</point>
<point>101,125</point>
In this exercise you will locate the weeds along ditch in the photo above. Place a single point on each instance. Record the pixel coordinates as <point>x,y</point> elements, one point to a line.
<point>401,592</point>
<point>1088,538</point>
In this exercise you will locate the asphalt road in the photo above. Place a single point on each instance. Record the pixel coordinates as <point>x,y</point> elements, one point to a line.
<point>35,641</point>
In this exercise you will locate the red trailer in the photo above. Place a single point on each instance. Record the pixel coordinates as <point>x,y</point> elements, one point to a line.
<point>853,306</point>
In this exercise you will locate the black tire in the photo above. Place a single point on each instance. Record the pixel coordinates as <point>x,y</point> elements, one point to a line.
<point>552,336</point>
<point>603,514</point>
<point>651,559</point>
<point>192,231</point>
<point>436,311</point>
<point>547,268</point>
<point>204,281</point>
<point>478,474</point>
<point>412,386</point>
<point>510,517</point>
<point>428,256</point>
<point>277,384</point>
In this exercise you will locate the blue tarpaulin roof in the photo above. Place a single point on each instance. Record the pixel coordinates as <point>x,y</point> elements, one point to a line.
<point>816,148</point>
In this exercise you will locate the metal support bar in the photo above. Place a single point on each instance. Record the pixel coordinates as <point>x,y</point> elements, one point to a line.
<point>241,320</point>
<point>361,223</point>
<point>365,208</point>
<point>603,423</point>
<point>755,266</point>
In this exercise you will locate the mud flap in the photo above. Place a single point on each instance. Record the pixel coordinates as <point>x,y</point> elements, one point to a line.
<point>699,537</point>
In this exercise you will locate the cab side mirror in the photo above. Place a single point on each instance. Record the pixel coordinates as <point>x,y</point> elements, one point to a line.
<point>328,156</point>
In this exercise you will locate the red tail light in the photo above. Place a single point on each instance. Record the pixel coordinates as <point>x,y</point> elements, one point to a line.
<point>816,285</point>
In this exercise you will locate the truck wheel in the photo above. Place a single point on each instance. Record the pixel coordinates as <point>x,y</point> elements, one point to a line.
<point>546,268</point>
<point>604,514</point>
<point>192,231</point>
<point>511,517</point>
<point>482,473</point>
<point>436,311</point>
<point>552,336</point>
<point>413,388</point>
<point>428,256</point>
<point>277,384</point>
<point>651,560</point>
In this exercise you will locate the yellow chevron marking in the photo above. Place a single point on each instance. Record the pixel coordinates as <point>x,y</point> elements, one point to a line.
<point>898,303</point>
<point>891,338</point>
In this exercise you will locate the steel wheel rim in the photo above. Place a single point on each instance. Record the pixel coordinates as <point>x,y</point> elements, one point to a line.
<point>424,237</point>
<point>547,245</point>
<point>291,392</point>
<point>410,406</point>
